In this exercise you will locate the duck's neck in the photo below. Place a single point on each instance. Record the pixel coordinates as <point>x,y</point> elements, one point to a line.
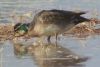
<point>32,33</point>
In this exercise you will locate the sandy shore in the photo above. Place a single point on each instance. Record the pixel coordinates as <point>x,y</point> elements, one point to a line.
<point>6,31</point>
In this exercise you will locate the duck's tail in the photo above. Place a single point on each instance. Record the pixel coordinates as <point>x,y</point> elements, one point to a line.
<point>81,13</point>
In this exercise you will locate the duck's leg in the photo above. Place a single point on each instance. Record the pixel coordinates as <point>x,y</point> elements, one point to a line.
<point>49,39</point>
<point>56,38</point>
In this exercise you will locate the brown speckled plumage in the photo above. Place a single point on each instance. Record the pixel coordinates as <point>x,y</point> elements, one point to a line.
<point>51,22</point>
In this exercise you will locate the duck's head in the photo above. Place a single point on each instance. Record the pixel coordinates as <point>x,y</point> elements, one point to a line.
<point>21,29</point>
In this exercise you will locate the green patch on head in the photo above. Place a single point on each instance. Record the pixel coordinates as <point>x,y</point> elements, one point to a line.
<point>23,27</point>
<point>20,29</point>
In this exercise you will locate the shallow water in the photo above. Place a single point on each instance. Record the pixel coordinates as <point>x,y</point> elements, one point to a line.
<point>90,50</point>
<point>87,47</point>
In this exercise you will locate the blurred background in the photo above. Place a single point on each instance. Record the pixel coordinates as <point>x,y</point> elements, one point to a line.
<point>14,11</point>
<point>11,8</point>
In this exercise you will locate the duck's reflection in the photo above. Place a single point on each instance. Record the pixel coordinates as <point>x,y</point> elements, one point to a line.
<point>20,50</point>
<point>51,55</point>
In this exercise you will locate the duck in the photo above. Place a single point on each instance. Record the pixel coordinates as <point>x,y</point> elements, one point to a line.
<point>52,23</point>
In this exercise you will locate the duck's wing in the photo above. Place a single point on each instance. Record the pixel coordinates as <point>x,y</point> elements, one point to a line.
<point>55,16</point>
<point>60,17</point>
<point>69,12</point>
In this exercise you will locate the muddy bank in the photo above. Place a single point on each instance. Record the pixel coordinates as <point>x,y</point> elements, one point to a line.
<point>81,30</point>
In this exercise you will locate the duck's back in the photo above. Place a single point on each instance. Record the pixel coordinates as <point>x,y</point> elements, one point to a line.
<point>55,16</point>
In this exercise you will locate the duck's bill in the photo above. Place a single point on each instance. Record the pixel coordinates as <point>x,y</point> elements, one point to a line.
<point>19,33</point>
